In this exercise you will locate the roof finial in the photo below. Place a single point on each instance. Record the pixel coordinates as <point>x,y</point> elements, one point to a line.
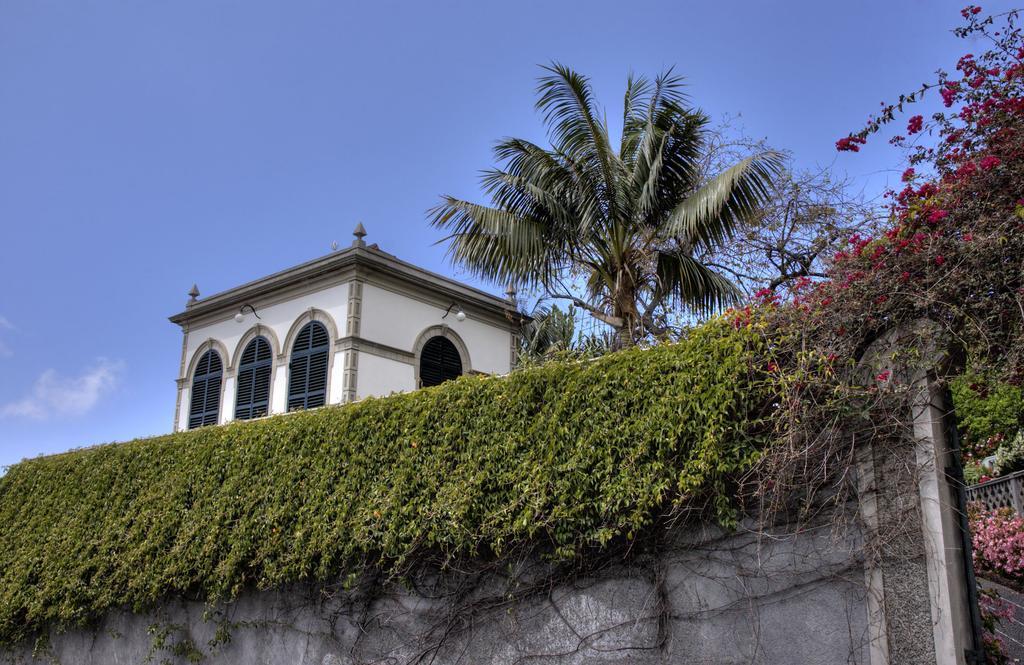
<point>193,294</point>
<point>359,233</point>
<point>510,293</point>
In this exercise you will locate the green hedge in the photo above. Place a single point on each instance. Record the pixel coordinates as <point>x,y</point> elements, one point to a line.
<point>987,409</point>
<point>562,457</point>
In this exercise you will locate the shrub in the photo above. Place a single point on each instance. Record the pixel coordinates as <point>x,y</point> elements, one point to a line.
<point>987,410</point>
<point>1010,455</point>
<point>973,473</point>
<point>559,458</point>
<point>998,540</point>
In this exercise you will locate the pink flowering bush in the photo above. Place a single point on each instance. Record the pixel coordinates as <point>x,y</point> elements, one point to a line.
<point>994,611</point>
<point>998,538</point>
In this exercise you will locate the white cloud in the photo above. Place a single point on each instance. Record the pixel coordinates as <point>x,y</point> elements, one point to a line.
<point>5,350</point>
<point>56,395</point>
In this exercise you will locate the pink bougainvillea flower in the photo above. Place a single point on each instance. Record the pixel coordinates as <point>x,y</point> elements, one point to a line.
<point>850,144</point>
<point>915,124</point>
<point>949,94</point>
<point>989,162</point>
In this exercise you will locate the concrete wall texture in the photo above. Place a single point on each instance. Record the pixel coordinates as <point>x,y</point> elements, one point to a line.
<point>699,597</point>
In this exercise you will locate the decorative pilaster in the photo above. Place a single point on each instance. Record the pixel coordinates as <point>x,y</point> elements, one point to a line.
<point>355,311</point>
<point>355,308</point>
<point>351,374</point>
<point>182,368</point>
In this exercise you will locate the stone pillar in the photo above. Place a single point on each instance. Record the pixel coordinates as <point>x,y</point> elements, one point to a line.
<point>921,601</point>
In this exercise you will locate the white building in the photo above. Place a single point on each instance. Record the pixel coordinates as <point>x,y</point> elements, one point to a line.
<point>352,324</point>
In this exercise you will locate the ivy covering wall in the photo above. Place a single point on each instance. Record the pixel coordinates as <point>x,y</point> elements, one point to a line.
<point>562,458</point>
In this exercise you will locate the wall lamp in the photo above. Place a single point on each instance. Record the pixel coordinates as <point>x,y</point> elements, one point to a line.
<point>459,314</point>
<point>241,313</point>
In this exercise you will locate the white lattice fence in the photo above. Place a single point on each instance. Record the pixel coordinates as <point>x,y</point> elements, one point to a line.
<point>1004,492</point>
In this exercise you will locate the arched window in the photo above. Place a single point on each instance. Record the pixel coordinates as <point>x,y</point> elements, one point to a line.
<point>254,380</point>
<point>439,362</point>
<point>205,406</point>
<point>307,371</point>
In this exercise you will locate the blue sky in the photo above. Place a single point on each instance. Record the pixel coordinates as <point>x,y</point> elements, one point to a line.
<point>147,145</point>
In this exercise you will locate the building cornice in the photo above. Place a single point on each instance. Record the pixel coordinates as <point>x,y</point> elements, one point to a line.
<point>358,259</point>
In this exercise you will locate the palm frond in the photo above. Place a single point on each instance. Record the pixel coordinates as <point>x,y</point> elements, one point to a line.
<point>666,164</point>
<point>712,214</point>
<point>499,245</point>
<point>566,99</point>
<point>578,188</point>
<point>686,280</point>
<point>633,116</point>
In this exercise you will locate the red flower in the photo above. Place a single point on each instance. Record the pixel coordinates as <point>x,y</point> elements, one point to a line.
<point>937,216</point>
<point>905,276</point>
<point>915,124</point>
<point>939,260</point>
<point>850,144</point>
<point>948,94</point>
<point>908,175</point>
<point>968,237</point>
<point>884,376</point>
<point>989,162</point>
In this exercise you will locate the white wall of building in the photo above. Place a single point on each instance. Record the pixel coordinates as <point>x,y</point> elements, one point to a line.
<point>382,376</point>
<point>397,320</point>
<point>278,317</point>
<point>390,321</point>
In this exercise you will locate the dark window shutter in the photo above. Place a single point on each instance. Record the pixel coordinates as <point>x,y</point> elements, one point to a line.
<point>204,408</point>
<point>254,380</point>
<point>307,371</point>
<point>439,362</point>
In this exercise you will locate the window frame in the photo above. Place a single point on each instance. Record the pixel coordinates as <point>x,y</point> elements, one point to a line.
<point>220,375</point>
<point>439,331</point>
<point>254,366</point>
<point>307,355</point>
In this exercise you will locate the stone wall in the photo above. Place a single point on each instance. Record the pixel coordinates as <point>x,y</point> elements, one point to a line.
<point>700,596</point>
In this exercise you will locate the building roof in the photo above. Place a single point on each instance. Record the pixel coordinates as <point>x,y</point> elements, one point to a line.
<point>360,258</point>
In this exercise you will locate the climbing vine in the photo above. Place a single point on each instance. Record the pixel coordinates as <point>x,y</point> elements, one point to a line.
<point>561,459</point>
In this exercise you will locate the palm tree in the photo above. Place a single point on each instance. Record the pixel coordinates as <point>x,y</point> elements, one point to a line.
<point>615,233</point>
<point>548,331</point>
